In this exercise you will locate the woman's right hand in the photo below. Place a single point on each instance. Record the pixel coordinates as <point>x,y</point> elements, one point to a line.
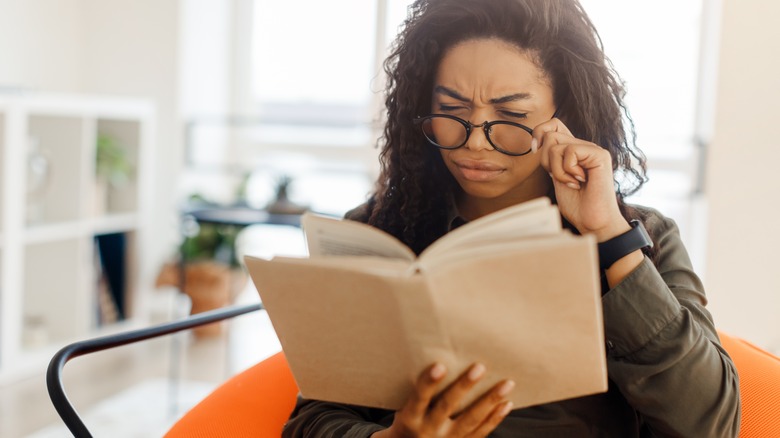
<point>428,415</point>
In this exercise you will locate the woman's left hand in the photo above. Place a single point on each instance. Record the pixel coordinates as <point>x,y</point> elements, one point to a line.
<point>581,172</point>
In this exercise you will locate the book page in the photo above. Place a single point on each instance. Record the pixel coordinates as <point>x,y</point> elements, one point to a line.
<point>537,204</point>
<point>533,218</point>
<point>492,248</point>
<point>532,316</point>
<point>326,236</point>
<point>374,265</point>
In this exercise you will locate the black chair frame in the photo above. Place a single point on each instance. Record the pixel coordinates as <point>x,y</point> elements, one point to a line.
<point>54,383</point>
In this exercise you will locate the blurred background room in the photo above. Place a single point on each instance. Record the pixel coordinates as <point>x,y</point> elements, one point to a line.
<point>120,118</point>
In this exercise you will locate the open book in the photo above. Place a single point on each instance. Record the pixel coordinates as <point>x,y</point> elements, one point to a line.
<point>362,316</point>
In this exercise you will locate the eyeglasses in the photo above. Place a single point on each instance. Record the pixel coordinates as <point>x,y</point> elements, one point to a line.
<point>449,132</point>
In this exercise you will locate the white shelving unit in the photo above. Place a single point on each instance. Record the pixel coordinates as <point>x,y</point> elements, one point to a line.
<point>51,210</point>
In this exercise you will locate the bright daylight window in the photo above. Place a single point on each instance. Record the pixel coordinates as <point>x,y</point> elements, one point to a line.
<point>315,80</point>
<point>657,54</point>
<point>315,71</point>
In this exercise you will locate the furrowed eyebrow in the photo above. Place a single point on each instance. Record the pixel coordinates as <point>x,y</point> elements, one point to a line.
<point>440,89</point>
<point>510,98</point>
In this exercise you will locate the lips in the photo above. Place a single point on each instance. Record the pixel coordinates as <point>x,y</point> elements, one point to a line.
<point>478,170</point>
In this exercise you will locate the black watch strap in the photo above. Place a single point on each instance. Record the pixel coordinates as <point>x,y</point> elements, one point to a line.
<point>618,247</point>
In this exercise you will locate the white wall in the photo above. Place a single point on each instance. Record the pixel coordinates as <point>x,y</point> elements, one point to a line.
<point>41,44</point>
<point>743,187</point>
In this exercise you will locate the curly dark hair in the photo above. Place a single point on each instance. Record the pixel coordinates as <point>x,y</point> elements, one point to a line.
<point>415,188</point>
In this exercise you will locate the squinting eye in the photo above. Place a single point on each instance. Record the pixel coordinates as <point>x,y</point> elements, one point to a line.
<point>449,107</point>
<point>515,115</point>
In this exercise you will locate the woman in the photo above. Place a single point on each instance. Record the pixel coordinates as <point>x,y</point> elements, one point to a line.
<point>496,102</point>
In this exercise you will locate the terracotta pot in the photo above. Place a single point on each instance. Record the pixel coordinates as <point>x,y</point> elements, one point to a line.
<point>209,285</point>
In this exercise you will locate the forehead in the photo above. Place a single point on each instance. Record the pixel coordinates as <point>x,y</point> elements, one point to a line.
<point>489,68</point>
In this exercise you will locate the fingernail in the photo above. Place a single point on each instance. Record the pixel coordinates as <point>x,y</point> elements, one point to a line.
<point>579,178</point>
<point>534,145</point>
<point>438,371</point>
<point>505,409</point>
<point>572,185</point>
<point>506,388</point>
<point>551,175</point>
<point>476,371</point>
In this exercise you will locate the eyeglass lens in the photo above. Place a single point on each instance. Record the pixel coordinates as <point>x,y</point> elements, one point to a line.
<point>448,133</point>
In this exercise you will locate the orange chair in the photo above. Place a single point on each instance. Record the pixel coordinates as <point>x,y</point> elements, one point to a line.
<point>759,387</point>
<point>258,401</point>
<point>254,403</point>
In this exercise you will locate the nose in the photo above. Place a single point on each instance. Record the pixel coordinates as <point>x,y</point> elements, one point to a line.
<point>478,141</point>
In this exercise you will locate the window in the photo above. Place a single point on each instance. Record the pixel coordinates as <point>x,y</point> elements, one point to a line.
<point>311,79</point>
<point>315,96</point>
<point>316,83</point>
<point>658,55</point>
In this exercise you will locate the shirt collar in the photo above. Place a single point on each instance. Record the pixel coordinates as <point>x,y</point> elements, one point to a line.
<point>455,220</point>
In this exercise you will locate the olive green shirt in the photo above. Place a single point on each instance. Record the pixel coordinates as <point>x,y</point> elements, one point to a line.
<point>668,374</point>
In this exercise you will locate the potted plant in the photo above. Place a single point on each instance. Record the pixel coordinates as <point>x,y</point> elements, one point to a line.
<point>112,170</point>
<point>213,275</point>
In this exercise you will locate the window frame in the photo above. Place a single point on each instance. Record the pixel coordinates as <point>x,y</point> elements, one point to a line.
<point>691,164</point>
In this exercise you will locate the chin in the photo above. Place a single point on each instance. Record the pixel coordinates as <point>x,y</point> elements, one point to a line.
<point>482,190</point>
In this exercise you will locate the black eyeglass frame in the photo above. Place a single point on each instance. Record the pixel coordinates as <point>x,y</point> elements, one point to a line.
<point>469,128</point>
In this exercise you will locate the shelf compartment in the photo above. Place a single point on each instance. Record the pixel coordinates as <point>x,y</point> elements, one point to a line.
<point>115,272</point>
<point>121,196</point>
<point>58,303</point>
<point>59,145</point>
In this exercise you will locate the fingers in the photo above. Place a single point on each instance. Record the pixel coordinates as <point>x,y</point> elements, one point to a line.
<point>487,412</point>
<point>427,413</point>
<point>564,162</point>
<point>568,159</point>
<point>551,137</point>
<point>552,125</point>
<point>496,417</point>
<point>426,387</point>
<point>449,400</point>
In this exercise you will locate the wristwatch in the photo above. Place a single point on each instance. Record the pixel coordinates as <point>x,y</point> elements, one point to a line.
<point>619,246</point>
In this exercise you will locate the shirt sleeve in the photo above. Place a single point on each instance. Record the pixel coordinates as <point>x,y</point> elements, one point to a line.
<point>313,418</point>
<point>663,351</point>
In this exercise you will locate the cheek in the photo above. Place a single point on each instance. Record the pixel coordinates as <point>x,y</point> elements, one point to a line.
<point>445,156</point>
<point>527,163</point>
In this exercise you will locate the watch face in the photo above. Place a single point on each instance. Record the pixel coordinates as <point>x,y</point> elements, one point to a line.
<point>618,247</point>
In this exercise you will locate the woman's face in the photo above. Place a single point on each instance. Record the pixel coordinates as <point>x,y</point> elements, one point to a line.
<point>485,80</point>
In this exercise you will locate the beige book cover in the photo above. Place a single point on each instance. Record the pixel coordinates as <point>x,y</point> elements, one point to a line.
<point>359,329</point>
